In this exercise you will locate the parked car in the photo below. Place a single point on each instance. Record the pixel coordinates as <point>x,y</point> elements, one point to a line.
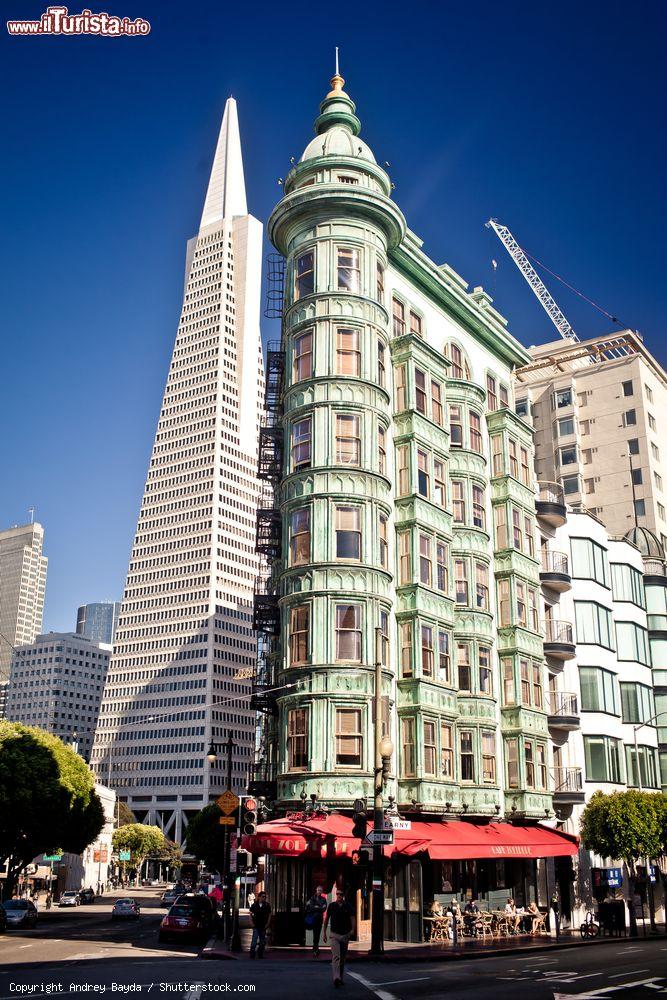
<point>125,909</point>
<point>87,895</point>
<point>190,918</point>
<point>3,919</point>
<point>70,898</point>
<point>20,913</point>
<point>169,897</point>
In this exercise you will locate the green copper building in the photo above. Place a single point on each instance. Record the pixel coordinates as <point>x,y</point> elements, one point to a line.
<point>404,500</point>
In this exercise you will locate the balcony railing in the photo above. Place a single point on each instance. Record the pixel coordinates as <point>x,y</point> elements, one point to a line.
<point>557,631</point>
<point>550,493</point>
<point>567,779</point>
<point>555,562</point>
<point>655,567</point>
<point>564,703</point>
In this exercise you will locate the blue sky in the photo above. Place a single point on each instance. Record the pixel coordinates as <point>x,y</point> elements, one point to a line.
<point>550,117</point>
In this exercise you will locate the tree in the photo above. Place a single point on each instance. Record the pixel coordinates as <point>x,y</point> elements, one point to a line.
<point>205,837</point>
<point>124,814</point>
<point>47,798</point>
<point>141,840</point>
<point>625,826</point>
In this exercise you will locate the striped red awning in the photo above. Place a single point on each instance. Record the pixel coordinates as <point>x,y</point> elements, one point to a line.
<point>330,836</point>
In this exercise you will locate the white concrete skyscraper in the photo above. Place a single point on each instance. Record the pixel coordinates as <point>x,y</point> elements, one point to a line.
<point>184,647</point>
<point>22,587</point>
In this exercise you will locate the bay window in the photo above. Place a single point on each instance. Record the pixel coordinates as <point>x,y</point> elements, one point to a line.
<point>300,536</point>
<point>301,443</point>
<point>297,739</point>
<point>348,737</point>
<point>348,269</point>
<point>303,356</point>
<point>446,750</point>
<point>430,748</point>
<point>298,635</point>
<point>348,633</point>
<point>348,533</point>
<point>348,439</point>
<point>304,277</point>
<point>466,755</point>
<point>348,352</point>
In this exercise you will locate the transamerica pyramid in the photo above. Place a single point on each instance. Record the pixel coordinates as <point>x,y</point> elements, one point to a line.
<point>184,650</point>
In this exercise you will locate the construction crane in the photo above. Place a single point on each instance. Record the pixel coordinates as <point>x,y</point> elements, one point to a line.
<point>543,294</point>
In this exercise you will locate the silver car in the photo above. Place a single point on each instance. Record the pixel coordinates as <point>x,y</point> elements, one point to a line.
<point>125,909</point>
<point>70,898</point>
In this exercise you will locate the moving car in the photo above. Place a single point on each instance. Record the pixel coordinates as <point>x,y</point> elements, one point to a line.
<point>125,909</point>
<point>20,913</point>
<point>170,896</point>
<point>70,898</point>
<point>87,895</point>
<point>190,918</point>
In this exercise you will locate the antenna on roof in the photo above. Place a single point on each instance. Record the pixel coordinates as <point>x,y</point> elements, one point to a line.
<point>31,511</point>
<point>337,72</point>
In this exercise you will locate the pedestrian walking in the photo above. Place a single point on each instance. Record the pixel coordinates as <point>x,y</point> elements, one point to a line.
<point>316,907</point>
<point>340,918</point>
<point>260,914</point>
<point>49,900</point>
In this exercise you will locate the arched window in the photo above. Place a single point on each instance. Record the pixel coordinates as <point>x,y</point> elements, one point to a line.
<point>460,367</point>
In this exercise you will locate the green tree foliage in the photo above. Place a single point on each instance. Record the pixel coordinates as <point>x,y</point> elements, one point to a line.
<point>625,826</point>
<point>124,814</point>
<point>141,840</point>
<point>205,837</point>
<point>171,854</point>
<point>47,798</point>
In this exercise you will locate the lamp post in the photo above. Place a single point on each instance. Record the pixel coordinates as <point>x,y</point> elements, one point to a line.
<point>212,756</point>
<point>384,748</point>
<point>640,788</point>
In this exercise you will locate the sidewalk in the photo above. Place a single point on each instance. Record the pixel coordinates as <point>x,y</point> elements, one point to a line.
<point>397,951</point>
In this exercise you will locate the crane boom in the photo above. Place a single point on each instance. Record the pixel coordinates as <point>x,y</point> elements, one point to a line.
<point>543,294</point>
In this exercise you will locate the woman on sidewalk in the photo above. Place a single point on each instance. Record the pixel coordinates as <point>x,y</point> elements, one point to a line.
<point>341,918</point>
<point>316,907</point>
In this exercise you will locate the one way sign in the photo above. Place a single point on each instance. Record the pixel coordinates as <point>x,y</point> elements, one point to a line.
<point>379,837</point>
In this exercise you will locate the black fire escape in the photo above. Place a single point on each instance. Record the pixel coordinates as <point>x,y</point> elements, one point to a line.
<point>266,611</point>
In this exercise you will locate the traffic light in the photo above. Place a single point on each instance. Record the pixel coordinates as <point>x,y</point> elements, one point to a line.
<point>359,819</point>
<point>249,817</point>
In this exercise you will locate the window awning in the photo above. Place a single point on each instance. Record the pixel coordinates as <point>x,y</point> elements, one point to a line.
<point>454,840</point>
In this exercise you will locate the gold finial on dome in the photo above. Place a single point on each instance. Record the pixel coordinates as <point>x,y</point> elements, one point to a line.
<point>336,81</point>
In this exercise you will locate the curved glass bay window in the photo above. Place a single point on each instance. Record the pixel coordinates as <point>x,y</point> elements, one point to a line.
<point>599,690</point>
<point>300,536</point>
<point>348,632</point>
<point>304,274</point>
<point>303,356</point>
<point>594,624</point>
<point>301,443</point>
<point>648,770</point>
<point>349,739</point>
<point>602,756</point>
<point>348,439</point>
<point>348,269</point>
<point>299,634</point>
<point>348,533</point>
<point>348,352</point>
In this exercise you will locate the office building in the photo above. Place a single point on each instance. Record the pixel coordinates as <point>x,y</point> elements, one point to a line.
<point>180,674</point>
<point>22,587</point>
<point>98,621</point>
<point>56,683</point>
<point>598,411</point>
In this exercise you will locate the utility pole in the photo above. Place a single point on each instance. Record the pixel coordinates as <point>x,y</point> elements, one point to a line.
<point>377,917</point>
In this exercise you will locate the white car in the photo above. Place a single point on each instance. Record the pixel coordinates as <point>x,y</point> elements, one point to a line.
<point>70,898</point>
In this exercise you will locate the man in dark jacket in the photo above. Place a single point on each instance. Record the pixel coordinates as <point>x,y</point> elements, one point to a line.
<point>260,914</point>
<point>340,917</point>
<point>316,907</point>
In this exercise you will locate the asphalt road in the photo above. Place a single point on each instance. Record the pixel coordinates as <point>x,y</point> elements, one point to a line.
<point>82,953</point>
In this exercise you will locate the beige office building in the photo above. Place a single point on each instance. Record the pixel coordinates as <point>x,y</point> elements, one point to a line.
<point>22,587</point>
<point>599,411</point>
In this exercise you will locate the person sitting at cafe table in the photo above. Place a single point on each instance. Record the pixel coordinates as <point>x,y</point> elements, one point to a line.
<point>535,916</point>
<point>511,915</point>
<point>471,918</point>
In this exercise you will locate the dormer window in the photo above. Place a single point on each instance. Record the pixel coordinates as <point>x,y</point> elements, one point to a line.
<point>346,179</point>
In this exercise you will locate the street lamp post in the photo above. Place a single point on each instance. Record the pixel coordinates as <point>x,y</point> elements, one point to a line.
<point>635,730</point>
<point>384,749</point>
<point>212,756</point>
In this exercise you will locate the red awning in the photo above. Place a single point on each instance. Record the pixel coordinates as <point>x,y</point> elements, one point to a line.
<point>453,840</point>
<point>457,840</point>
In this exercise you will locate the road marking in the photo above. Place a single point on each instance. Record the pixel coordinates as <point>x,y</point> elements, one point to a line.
<point>605,989</point>
<point>392,982</point>
<point>628,972</point>
<point>382,994</point>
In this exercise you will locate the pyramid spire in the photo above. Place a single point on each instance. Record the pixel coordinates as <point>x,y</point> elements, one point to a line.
<point>225,196</point>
